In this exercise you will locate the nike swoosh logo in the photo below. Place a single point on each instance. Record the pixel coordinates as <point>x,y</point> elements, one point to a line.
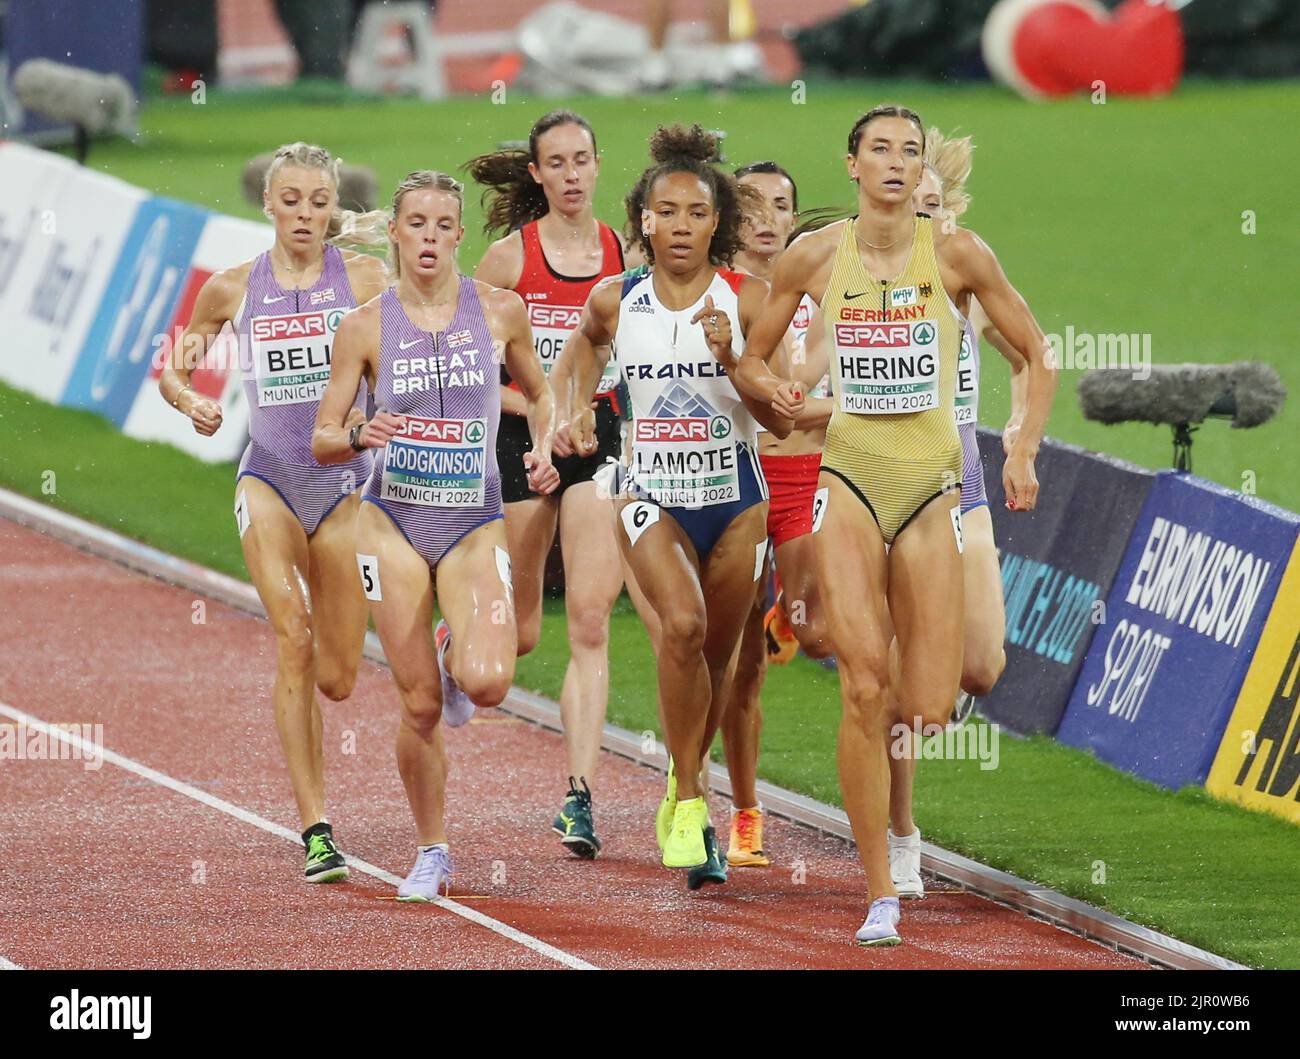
<point>861,294</point>
<point>408,345</point>
<point>271,301</point>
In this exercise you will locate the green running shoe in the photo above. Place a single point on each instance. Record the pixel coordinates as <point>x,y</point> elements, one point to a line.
<point>713,870</point>
<point>574,824</point>
<point>324,861</point>
<point>667,807</point>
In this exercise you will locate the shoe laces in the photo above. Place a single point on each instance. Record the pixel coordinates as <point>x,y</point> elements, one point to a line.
<point>582,797</point>
<point>429,863</point>
<point>745,827</point>
<point>878,913</point>
<point>320,845</point>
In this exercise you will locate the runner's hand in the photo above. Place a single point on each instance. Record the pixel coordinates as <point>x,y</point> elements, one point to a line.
<point>205,414</point>
<point>1009,434</point>
<point>562,442</point>
<point>788,400</point>
<point>380,431</point>
<point>582,432</point>
<point>717,331</point>
<point>542,476</point>
<point>1020,483</point>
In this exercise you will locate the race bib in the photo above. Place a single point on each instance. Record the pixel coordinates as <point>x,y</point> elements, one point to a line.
<point>686,461</point>
<point>885,369</point>
<point>552,325</point>
<point>964,406</point>
<point>291,355</point>
<point>437,463</point>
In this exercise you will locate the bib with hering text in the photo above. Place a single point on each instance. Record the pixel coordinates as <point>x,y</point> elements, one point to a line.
<point>888,368</point>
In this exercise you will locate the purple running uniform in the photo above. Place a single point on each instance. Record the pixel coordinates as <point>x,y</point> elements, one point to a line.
<point>966,409</point>
<point>438,479</point>
<point>285,338</point>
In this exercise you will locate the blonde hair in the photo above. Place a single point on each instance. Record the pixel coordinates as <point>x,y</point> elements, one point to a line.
<point>950,160</point>
<point>346,227</point>
<point>416,181</point>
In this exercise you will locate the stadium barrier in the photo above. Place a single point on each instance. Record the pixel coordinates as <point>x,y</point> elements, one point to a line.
<point>1194,658</point>
<point>96,279</point>
<point>1058,562</point>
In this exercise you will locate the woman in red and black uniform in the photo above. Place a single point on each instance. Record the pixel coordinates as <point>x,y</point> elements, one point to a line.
<point>554,251</point>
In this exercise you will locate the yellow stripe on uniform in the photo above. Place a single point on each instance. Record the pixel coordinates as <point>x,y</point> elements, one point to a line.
<point>893,436</point>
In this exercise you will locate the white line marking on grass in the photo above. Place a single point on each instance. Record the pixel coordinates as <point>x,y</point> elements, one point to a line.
<point>230,809</point>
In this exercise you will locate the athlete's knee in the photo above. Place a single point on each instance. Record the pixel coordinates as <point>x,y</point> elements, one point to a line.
<point>528,632</point>
<point>814,637</point>
<point>421,706</point>
<point>681,631</point>
<point>980,674</point>
<point>294,642</point>
<point>335,681</point>
<point>485,682</point>
<point>588,628</point>
<point>864,673</point>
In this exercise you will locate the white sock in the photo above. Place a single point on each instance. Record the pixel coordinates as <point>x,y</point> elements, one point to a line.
<point>435,845</point>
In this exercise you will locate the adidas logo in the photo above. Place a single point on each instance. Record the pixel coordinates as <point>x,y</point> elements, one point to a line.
<point>642,304</point>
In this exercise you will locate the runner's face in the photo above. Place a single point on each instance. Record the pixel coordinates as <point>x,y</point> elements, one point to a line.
<point>888,166</point>
<point>566,168</point>
<point>929,195</point>
<point>427,231</point>
<point>768,234</point>
<point>682,221</point>
<point>301,202</point>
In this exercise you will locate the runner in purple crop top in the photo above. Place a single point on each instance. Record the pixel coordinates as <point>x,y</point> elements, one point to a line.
<point>430,348</point>
<point>296,518</point>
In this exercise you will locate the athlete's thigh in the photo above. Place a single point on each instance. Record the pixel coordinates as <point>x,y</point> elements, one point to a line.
<point>796,563</point>
<point>276,553</point>
<point>662,559</point>
<point>399,587</point>
<point>729,578</point>
<point>926,593</point>
<point>593,566</point>
<point>853,576</point>
<point>530,530</point>
<point>337,596</point>
<point>985,611</point>
<point>474,595</point>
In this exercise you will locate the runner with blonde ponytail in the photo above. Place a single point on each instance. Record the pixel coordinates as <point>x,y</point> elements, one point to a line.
<point>296,518</point>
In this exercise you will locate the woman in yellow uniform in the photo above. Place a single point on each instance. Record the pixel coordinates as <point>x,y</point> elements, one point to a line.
<point>893,289</point>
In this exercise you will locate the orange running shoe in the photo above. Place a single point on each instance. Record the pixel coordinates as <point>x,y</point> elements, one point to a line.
<point>746,849</point>
<point>781,642</point>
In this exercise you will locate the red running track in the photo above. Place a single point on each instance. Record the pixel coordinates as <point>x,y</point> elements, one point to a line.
<point>128,866</point>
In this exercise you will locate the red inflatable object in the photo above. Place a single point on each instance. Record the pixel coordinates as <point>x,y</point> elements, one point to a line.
<point>1056,47</point>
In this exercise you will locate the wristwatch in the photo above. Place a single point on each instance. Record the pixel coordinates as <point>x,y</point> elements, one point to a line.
<point>354,438</point>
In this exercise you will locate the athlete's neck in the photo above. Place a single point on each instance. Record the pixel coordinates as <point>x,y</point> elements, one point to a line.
<point>429,296</point>
<point>681,290</point>
<point>296,262</point>
<point>564,230</point>
<point>883,226</point>
<point>760,265</point>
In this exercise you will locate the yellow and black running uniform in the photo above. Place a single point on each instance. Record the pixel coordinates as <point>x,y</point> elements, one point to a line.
<point>893,436</point>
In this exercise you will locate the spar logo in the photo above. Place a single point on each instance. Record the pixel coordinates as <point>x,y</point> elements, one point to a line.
<point>719,427</point>
<point>562,317</point>
<point>877,336</point>
<point>447,431</point>
<point>676,431</point>
<point>966,350</point>
<point>923,333</point>
<point>306,325</point>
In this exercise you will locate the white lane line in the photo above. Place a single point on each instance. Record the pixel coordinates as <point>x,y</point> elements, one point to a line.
<point>6,965</point>
<point>221,805</point>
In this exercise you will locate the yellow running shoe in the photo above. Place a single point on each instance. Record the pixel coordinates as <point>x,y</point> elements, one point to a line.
<point>664,814</point>
<point>685,846</point>
<point>746,850</point>
<point>782,644</point>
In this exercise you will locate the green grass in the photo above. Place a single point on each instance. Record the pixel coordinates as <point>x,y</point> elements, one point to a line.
<point>1116,218</point>
<point>1212,874</point>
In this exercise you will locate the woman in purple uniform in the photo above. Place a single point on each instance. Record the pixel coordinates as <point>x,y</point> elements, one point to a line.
<point>296,518</point>
<point>430,348</point>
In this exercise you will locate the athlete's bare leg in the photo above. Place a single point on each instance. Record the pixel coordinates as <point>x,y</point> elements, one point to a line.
<point>742,720</point>
<point>338,600</point>
<point>530,529</point>
<point>278,560</point>
<point>594,578</point>
<point>985,656</point>
<point>796,561</point>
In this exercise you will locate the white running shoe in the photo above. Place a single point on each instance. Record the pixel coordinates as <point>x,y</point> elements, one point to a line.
<point>962,709</point>
<point>428,876</point>
<point>881,927</point>
<point>905,864</point>
<point>457,707</point>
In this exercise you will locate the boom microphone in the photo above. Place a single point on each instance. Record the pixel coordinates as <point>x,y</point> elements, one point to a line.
<point>1249,393</point>
<point>358,184</point>
<point>93,103</point>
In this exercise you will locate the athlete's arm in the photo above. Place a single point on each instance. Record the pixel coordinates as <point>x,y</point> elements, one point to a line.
<point>508,310</point>
<point>367,274</point>
<point>789,285</point>
<point>503,266</point>
<point>817,411</point>
<point>1019,377</point>
<point>583,358</point>
<point>1006,309</point>
<point>354,354</point>
<point>216,305</point>
<point>753,292</point>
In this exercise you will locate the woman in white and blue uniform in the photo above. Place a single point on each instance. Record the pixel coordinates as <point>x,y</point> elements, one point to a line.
<point>692,509</point>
